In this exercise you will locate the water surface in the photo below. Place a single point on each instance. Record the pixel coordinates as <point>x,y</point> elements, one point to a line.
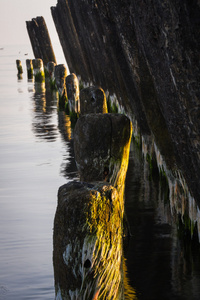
<point>34,156</point>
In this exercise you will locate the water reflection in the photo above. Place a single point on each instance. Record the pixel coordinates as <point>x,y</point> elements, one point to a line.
<point>160,265</point>
<point>68,167</point>
<point>45,103</point>
<point>129,291</point>
<point>48,125</point>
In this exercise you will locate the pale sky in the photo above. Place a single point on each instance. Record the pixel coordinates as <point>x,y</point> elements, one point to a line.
<point>13,17</point>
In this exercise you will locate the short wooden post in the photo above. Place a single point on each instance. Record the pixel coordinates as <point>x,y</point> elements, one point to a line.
<point>87,242</point>
<point>93,100</point>
<point>72,86</point>
<point>38,70</point>
<point>29,67</point>
<point>60,75</point>
<point>51,69</point>
<point>101,145</point>
<point>19,66</point>
<point>50,73</point>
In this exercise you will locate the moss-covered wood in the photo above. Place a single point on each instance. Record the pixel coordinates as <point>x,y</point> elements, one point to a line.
<point>72,86</point>
<point>101,144</point>
<point>60,75</point>
<point>38,70</point>
<point>87,241</point>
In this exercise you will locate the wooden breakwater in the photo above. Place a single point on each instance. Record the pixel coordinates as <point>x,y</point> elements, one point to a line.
<point>91,101</point>
<point>88,225</point>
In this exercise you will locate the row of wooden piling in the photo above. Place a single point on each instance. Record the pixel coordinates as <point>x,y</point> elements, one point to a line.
<point>89,100</point>
<point>88,224</point>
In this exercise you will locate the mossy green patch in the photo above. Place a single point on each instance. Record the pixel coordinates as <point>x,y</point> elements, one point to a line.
<point>153,168</point>
<point>46,72</point>
<point>62,101</point>
<point>112,107</point>
<point>104,222</point>
<point>73,118</point>
<point>81,86</point>
<point>187,228</point>
<point>52,83</point>
<point>40,77</point>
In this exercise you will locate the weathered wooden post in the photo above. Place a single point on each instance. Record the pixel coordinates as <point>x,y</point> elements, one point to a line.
<point>38,70</point>
<point>72,86</point>
<point>93,100</point>
<point>29,67</point>
<point>101,145</point>
<point>51,69</point>
<point>19,66</point>
<point>87,242</point>
<point>60,75</point>
<point>40,40</point>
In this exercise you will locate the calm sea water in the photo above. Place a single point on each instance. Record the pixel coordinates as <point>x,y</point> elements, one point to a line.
<point>36,158</point>
<point>34,162</point>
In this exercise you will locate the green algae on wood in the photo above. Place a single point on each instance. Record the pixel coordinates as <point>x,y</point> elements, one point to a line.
<point>102,144</point>
<point>87,242</point>
<point>112,106</point>
<point>60,75</point>
<point>38,70</point>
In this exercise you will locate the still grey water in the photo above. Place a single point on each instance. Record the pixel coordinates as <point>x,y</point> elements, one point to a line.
<point>36,157</point>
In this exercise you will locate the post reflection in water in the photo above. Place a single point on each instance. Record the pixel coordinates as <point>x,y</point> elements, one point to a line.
<point>45,103</point>
<point>161,264</point>
<point>68,167</point>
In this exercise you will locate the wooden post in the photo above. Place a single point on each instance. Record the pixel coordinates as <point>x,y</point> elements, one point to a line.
<point>29,67</point>
<point>51,69</point>
<point>101,145</point>
<point>60,75</point>
<point>72,86</point>
<point>38,70</point>
<point>93,100</point>
<point>40,40</point>
<point>87,243</point>
<point>19,66</point>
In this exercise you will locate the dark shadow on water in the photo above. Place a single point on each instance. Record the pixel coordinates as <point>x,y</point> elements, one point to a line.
<point>160,265</point>
<point>45,104</point>
<point>68,167</point>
